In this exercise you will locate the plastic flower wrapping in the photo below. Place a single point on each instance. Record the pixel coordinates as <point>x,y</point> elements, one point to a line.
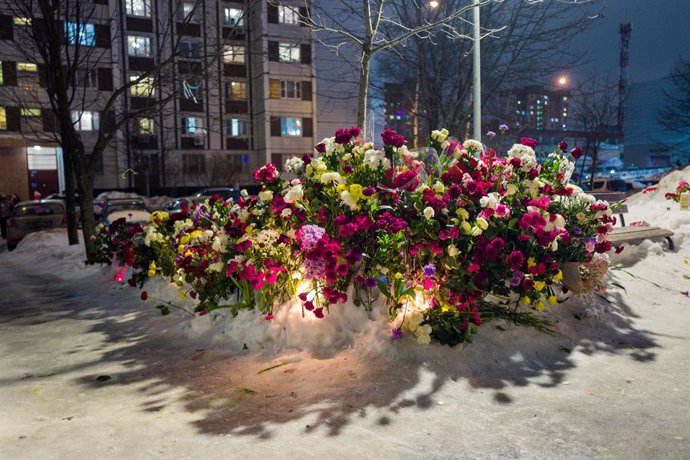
<point>449,237</point>
<point>682,187</point>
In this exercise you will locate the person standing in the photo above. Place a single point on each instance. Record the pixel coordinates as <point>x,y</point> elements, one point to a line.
<point>4,215</point>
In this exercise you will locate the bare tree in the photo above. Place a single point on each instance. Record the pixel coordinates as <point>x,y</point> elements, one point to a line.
<point>530,43</point>
<point>374,26</point>
<point>596,111</point>
<point>675,115</point>
<point>60,36</point>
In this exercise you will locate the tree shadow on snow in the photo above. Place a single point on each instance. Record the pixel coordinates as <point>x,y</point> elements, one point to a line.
<point>247,393</point>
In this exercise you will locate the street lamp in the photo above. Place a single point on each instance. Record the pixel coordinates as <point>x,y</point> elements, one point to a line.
<point>433,4</point>
<point>562,80</point>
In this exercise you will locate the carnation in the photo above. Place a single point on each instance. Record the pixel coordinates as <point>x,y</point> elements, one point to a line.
<point>472,146</point>
<point>295,165</point>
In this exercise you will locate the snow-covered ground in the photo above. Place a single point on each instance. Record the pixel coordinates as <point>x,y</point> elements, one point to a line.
<point>614,382</point>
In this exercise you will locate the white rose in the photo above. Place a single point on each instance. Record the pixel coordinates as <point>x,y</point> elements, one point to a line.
<point>429,212</point>
<point>453,250</point>
<point>294,193</point>
<point>266,195</point>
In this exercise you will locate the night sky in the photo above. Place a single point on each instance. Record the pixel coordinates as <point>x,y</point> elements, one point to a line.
<point>660,34</point>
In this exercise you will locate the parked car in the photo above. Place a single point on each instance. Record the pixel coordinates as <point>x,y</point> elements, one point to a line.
<point>34,216</point>
<point>176,204</point>
<point>226,193</point>
<point>605,185</point>
<point>132,209</point>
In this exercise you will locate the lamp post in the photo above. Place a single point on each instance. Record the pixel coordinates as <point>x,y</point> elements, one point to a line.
<point>476,77</point>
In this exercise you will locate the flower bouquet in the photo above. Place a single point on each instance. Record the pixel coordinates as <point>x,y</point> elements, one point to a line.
<point>449,237</point>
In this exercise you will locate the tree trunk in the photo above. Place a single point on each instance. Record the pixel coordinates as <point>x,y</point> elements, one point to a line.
<point>72,231</point>
<point>85,180</point>
<point>363,94</point>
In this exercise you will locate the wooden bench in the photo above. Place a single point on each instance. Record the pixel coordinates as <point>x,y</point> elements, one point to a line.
<point>634,234</point>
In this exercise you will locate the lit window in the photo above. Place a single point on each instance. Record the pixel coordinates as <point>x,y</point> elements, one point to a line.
<point>31,112</point>
<point>86,121</point>
<point>192,90</point>
<point>139,46</point>
<point>565,98</point>
<point>191,125</point>
<point>2,78</point>
<point>233,16</point>
<point>146,125</point>
<point>236,127</point>
<point>143,88</point>
<point>3,118</point>
<point>233,54</point>
<point>236,90</point>
<point>290,89</point>
<point>288,14</point>
<point>80,34</point>
<point>22,21</point>
<point>288,52</point>
<point>27,67</point>
<point>189,12</point>
<point>189,50</point>
<point>290,126</point>
<point>138,7</point>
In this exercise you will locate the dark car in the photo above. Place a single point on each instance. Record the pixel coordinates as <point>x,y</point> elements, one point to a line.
<point>132,209</point>
<point>226,193</point>
<point>34,216</point>
<point>176,204</point>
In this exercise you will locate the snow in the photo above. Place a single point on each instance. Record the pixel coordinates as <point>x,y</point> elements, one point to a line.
<point>611,384</point>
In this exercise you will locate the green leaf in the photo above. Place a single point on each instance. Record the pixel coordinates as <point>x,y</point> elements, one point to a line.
<point>284,363</point>
<point>384,289</point>
<point>164,310</point>
<point>687,277</point>
<point>103,378</point>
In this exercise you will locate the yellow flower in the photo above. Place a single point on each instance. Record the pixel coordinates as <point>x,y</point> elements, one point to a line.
<point>183,295</point>
<point>539,285</point>
<point>526,300</point>
<point>539,305</point>
<point>158,215</point>
<point>552,300</point>
<point>152,270</point>
<point>558,276</point>
<point>453,250</point>
<point>341,187</point>
<point>180,249</point>
<point>356,191</point>
<point>184,239</point>
<point>482,223</point>
<point>462,213</point>
<point>531,262</point>
<point>466,227</point>
<point>197,233</point>
<point>398,276</point>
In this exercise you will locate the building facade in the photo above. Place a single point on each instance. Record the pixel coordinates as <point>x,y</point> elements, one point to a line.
<point>240,90</point>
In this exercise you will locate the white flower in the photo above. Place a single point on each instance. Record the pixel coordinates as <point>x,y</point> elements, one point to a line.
<point>439,187</point>
<point>294,165</point>
<point>429,212</point>
<point>490,201</point>
<point>375,159</point>
<point>294,193</point>
<point>472,146</point>
<point>439,136</point>
<point>216,267</point>
<point>266,195</point>
<point>331,177</point>
<point>285,213</point>
<point>511,189</point>
<point>526,155</point>
<point>349,200</point>
<point>453,250</point>
<point>482,223</point>
<point>423,334</point>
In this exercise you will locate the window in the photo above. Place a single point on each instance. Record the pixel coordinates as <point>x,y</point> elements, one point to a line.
<point>146,126</point>
<point>27,67</point>
<point>2,78</point>
<point>189,50</point>
<point>189,11</point>
<point>190,125</point>
<point>233,16</point>
<point>288,14</point>
<point>237,127</point>
<point>236,90</point>
<point>233,54</point>
<point>290,126</point>
<point>193,163</point>
<point>22,21</point>
<point>288,52</point>
<point>290,89</point>
<point>86,121</point>
<point>85,78</point>
<point>192,90</point>
<point>80,34</point>
<point>3,118</point>
<point>143,88</point>
<point>138,7</point>
<point>32,113</point>
<point>139,46</point>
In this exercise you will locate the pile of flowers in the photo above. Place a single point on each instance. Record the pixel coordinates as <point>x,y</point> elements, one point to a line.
<point>449,237</point>
<point>683,186</point>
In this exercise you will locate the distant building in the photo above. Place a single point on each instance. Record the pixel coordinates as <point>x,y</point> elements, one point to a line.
<point>259,102</point>
<point>647,143</point>
<point>398,113</point>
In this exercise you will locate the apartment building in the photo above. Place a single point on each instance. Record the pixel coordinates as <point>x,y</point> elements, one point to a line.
<point>240,91</point>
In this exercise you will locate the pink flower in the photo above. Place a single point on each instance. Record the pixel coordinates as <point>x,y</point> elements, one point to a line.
<point>390,137</point>
<point>529,142</point>
<point>576,152</point>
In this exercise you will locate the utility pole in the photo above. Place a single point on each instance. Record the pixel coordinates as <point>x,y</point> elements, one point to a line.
<point>476,80</point>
